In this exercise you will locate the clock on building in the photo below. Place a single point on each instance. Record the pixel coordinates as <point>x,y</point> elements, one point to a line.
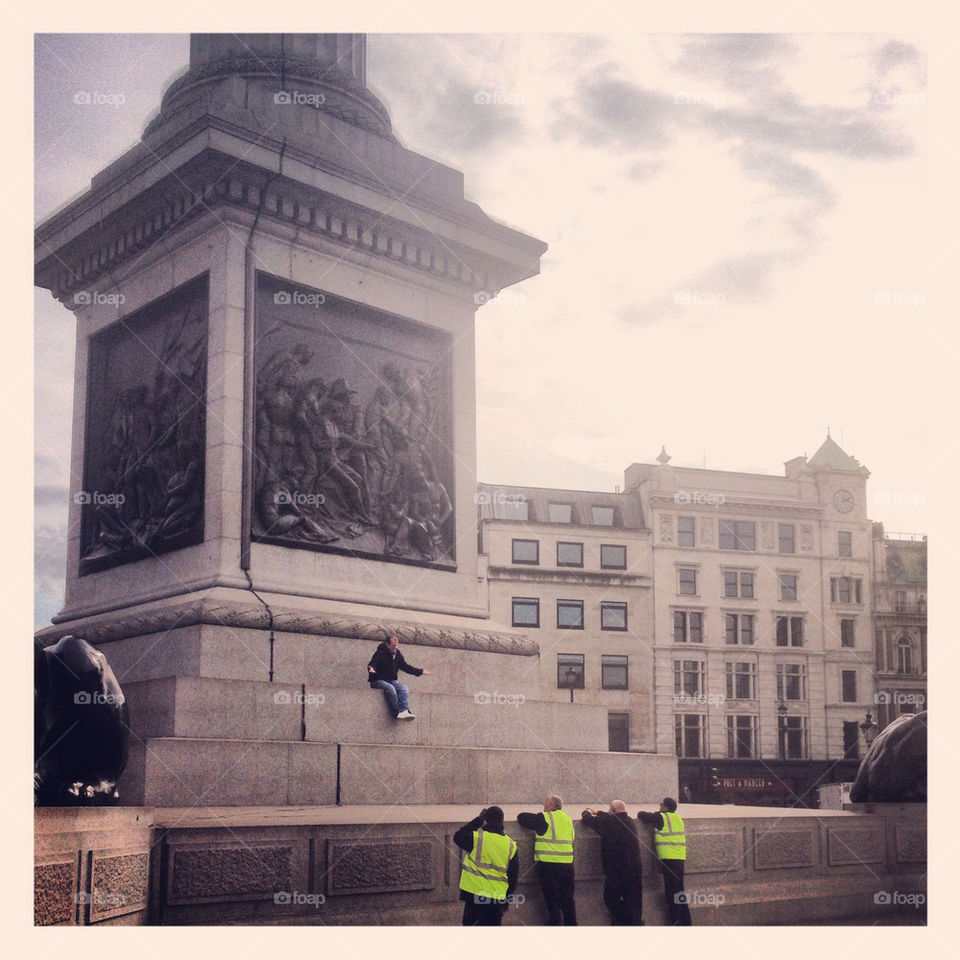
<point>843,501</point>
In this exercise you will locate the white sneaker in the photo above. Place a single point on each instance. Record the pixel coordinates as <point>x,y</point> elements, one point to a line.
<point>405,715</point>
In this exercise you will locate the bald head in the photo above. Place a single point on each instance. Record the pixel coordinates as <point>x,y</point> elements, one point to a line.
<point>618,806</point>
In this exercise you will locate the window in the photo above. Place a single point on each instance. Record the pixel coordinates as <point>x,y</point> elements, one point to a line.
<point>569,614</point>
<point>741,681</point>
<point>786,538</point>
<point>844,543</point>
<point>738,535</point>
<point>848,684</point>
<point>851,740</point>
<point>613,556</point>
<point>900,601</point>
<point>688,626</point>
<point>789,631</point>
<point>569,554</point>
<point>570,671</point>
<point>618,732</point>
<point>847,631</point>
<point>741,736</point>
<point>739,628</point>
<point>602,516</point>
<point>614,672</point>
<point>613,615</point>
<point>738,583</point>
<point>846,590</point>
<point>526,551</point>
<point>560,512</point>
<point>791,681</point>
<point>794,738</point>
<point>688,680</point>
<point>788,586</point>
<point>688,581</point>
<point>526,612</point>
<point>686,531</point>
<point>904,655</point>
<point>690,729</point>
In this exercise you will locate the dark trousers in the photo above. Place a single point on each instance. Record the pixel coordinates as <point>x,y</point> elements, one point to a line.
<point>481,914</point>
<point>556,883</point>
<point>678,912</point>
<point>623,897</point>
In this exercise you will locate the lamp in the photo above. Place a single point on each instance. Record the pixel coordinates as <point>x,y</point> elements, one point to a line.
<point>869,730</point>
<point>782,729</point>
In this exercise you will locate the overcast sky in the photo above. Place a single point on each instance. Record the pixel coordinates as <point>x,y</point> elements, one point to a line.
<point>736,230</point>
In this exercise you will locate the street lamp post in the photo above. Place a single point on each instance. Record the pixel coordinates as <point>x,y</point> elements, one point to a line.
<point>782,729</point>
<point>571,678</point>
<point>869,730</point>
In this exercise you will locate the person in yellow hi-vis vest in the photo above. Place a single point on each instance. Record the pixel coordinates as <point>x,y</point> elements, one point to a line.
<point>488,874</point>
<point>553,855</point>
<point>670,843</point>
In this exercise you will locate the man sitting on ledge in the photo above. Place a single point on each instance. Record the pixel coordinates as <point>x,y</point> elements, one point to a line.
<point>382,675</point>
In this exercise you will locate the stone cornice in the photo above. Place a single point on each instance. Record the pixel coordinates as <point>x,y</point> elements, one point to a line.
<point>98,630</point>
<point>215,180</point>
<point>729,505</point>
<point>586,577</point>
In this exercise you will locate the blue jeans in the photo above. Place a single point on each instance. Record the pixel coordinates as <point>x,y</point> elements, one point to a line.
<point>395,693</point>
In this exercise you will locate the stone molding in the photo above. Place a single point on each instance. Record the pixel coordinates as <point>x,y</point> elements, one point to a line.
<point>287,202</point>
<point>854,845</point>
<point>351,102</point>
<point>258,617</point>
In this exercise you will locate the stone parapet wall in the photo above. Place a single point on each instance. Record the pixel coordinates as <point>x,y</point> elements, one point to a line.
<point>398,866</point>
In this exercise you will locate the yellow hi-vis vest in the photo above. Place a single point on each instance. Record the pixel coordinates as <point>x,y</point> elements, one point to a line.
<point>670,841</point>
<point>556,845</point>
<point>484,870</point>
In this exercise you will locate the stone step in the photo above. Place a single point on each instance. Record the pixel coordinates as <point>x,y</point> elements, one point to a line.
<point>246,709</point>
<point>193,772</point>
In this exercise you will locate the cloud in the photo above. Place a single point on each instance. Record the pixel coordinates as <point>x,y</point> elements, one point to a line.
<point>895,53</point>
<point>700,298</point>
<point>607,110</point>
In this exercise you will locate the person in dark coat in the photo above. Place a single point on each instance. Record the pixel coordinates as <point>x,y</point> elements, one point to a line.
<point>620,858</point>
<point>382,670</point>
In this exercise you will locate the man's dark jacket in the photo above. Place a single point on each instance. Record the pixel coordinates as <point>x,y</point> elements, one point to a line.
<point>619,846</point>
<point>387,665</point>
